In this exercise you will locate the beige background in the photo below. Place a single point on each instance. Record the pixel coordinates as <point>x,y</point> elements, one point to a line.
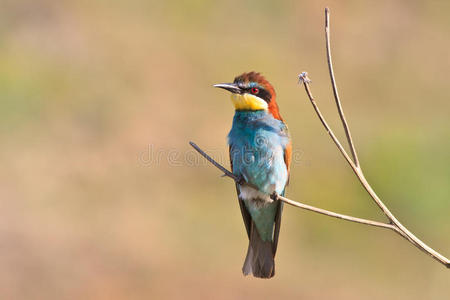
<point>101,196</point>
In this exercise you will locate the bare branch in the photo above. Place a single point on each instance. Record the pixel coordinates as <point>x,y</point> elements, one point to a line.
<point>335,91</point>
<point>355,165</point>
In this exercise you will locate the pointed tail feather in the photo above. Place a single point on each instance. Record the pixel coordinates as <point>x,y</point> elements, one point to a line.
<point>260,256</point>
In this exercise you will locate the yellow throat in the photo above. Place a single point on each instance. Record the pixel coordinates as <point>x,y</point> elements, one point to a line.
<point>248,102</point>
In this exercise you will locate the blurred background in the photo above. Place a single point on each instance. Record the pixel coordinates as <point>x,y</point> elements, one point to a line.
<point>101,196</point>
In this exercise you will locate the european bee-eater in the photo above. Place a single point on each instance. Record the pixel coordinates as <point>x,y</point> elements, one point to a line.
<point>260,154</point>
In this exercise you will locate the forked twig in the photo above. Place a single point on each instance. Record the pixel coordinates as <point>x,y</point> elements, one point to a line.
<point>355,164</point>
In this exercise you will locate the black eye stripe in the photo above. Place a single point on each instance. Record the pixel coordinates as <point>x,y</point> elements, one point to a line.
<point>262,93</point>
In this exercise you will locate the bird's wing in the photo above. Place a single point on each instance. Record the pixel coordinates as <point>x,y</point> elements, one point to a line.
<point>245,214</point>
<point>276,231</point>
<point>287,150</point>
<point>287,161</point>
<point>288,158</point>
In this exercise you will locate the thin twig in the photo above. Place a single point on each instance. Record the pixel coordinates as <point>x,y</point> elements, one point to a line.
<point>216,164</point>
<point>303,77</point>
<point>355,166</point>
<point>298,204</point>
<point>338,216</point>
<point>335,91</point>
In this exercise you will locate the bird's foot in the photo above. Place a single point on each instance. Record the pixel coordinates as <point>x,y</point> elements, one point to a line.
<point>274,196</point>
<point>241,180</point>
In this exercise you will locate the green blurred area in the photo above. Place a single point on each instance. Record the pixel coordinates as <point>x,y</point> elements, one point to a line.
<point>101,196</point>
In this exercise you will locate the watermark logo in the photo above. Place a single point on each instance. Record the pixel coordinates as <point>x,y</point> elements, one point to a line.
<point>154,156</point>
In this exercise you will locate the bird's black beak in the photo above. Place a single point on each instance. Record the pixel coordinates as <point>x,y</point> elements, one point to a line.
<point>231,87</point>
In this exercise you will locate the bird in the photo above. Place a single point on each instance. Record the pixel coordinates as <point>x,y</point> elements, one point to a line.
<point>260,151</point>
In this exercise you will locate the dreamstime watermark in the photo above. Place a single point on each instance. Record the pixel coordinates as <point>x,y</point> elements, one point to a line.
<point>154,156</point>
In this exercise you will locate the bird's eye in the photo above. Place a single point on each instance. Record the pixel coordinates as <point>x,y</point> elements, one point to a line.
<point>255,90</point>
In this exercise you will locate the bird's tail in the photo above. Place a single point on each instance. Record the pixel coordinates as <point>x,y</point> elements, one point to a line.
<point>260,259</point>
